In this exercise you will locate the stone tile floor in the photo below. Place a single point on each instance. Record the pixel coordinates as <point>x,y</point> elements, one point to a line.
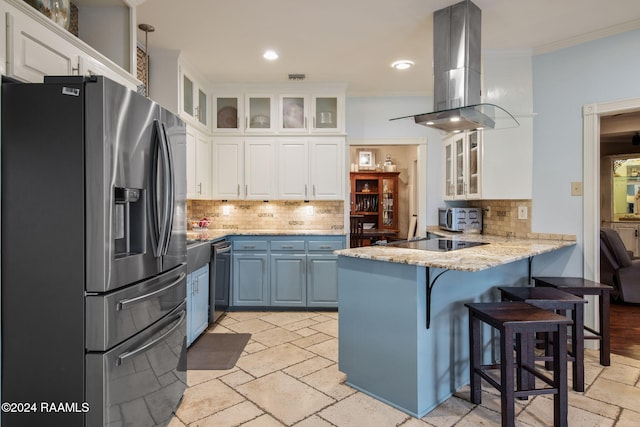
<point>288,376</point>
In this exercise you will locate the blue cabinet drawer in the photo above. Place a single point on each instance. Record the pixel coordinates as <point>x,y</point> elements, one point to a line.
<point>250,245</point>
<point>327,245</point>
<point>287,245</point>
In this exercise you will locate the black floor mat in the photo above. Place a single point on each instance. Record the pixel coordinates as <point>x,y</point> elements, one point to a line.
<point>216,351</point>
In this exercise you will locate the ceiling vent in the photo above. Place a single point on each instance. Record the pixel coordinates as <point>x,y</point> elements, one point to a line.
<point>297,76</point>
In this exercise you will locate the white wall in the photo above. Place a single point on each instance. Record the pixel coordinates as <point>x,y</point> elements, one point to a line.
<point>563,81</point>
<point>368,117</point>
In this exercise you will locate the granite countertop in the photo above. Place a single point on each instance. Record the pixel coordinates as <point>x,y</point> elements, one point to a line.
<point>211,234</point>
<point>499,251</point>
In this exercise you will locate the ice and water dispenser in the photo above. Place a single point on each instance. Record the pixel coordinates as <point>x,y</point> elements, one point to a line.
<point>129,221</point>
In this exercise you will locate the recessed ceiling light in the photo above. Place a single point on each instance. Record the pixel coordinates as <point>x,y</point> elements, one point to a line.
<point>402,64</point>
<point>270,55</point>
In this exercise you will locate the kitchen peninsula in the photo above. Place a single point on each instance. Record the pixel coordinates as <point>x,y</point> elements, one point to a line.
<point>403,325</point>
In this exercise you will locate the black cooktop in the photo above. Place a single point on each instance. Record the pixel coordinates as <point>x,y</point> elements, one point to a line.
<point>439,245</point>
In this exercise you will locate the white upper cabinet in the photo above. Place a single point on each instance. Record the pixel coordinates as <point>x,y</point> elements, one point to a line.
<point>244,168</point>
<point>278,110</point>
<point>37,47</point>
<point>178,87</point>
<point>35,51</point>
<point>311,168</point>
<point>498,168</point>
<point>195,100</point>
<point>463,177</point>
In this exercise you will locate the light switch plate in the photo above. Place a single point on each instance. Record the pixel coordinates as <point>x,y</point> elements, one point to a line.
<point>576,188</point>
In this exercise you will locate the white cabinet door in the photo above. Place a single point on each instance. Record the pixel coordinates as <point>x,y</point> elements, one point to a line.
<point>326,163</point>
<point>293,169</point>
<point>260,168</point>
<point>228,168</point>
<point>203,165</point>
<point>33,51</point>
<point>198,165</point>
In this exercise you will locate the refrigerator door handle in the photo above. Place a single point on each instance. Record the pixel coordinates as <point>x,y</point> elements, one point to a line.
<point>162,193</point>
<point>169,192</point>
<point>121,305</point>
<point>121,358</point>
<point>154,213</point>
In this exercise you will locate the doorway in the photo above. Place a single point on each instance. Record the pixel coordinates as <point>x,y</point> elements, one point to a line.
<point>410,157</point>
<point>593,114</point>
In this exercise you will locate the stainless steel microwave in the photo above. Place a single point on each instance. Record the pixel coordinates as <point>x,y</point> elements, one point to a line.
<point>467,220</point>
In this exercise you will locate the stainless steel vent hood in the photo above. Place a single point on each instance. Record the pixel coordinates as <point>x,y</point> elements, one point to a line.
<point>457,82</point>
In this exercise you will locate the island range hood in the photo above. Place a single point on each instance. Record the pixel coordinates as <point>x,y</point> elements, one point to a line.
<point>456,67</point>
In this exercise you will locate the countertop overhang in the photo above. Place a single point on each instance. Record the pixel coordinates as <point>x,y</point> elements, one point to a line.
<point>499,251</point>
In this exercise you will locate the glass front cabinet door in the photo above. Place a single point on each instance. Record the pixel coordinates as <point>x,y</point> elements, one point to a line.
<point>462,166</point>
<point>226,117</point>
<point>293,113</point>
<point>473,162</point>
<point>389,207</point>
<point>327,114</point>
<point>194,101</point>
<point>259,113</point>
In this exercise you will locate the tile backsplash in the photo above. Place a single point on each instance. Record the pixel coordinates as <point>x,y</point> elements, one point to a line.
<point>500,217</point>
<point>272,215</point>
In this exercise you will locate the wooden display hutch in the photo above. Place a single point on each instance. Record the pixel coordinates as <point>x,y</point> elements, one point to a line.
<point>375,196</point>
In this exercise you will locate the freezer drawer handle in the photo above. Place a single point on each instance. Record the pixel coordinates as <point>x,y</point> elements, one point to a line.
<point>125,302</point>
<point>146,347</point>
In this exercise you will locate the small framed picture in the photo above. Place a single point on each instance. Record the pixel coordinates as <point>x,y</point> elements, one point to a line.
<point>366,159</point>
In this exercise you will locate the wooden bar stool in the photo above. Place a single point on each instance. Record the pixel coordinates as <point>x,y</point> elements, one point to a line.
<point>558,301</point>
<point>518,322</point>
<point>581,287</point>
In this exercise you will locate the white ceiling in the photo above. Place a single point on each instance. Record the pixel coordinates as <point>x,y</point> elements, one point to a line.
<point>355,41</point>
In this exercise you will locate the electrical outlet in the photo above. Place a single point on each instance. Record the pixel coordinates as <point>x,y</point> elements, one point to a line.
<point>522,212</point>
<point>576,188</point>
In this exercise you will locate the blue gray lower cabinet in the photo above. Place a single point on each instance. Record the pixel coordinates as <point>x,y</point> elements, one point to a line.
<point>197,303</point>
<point>384,347</point>
<point>285,271</point>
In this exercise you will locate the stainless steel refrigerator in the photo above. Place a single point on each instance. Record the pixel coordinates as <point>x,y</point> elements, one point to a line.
<point>93,255</point>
